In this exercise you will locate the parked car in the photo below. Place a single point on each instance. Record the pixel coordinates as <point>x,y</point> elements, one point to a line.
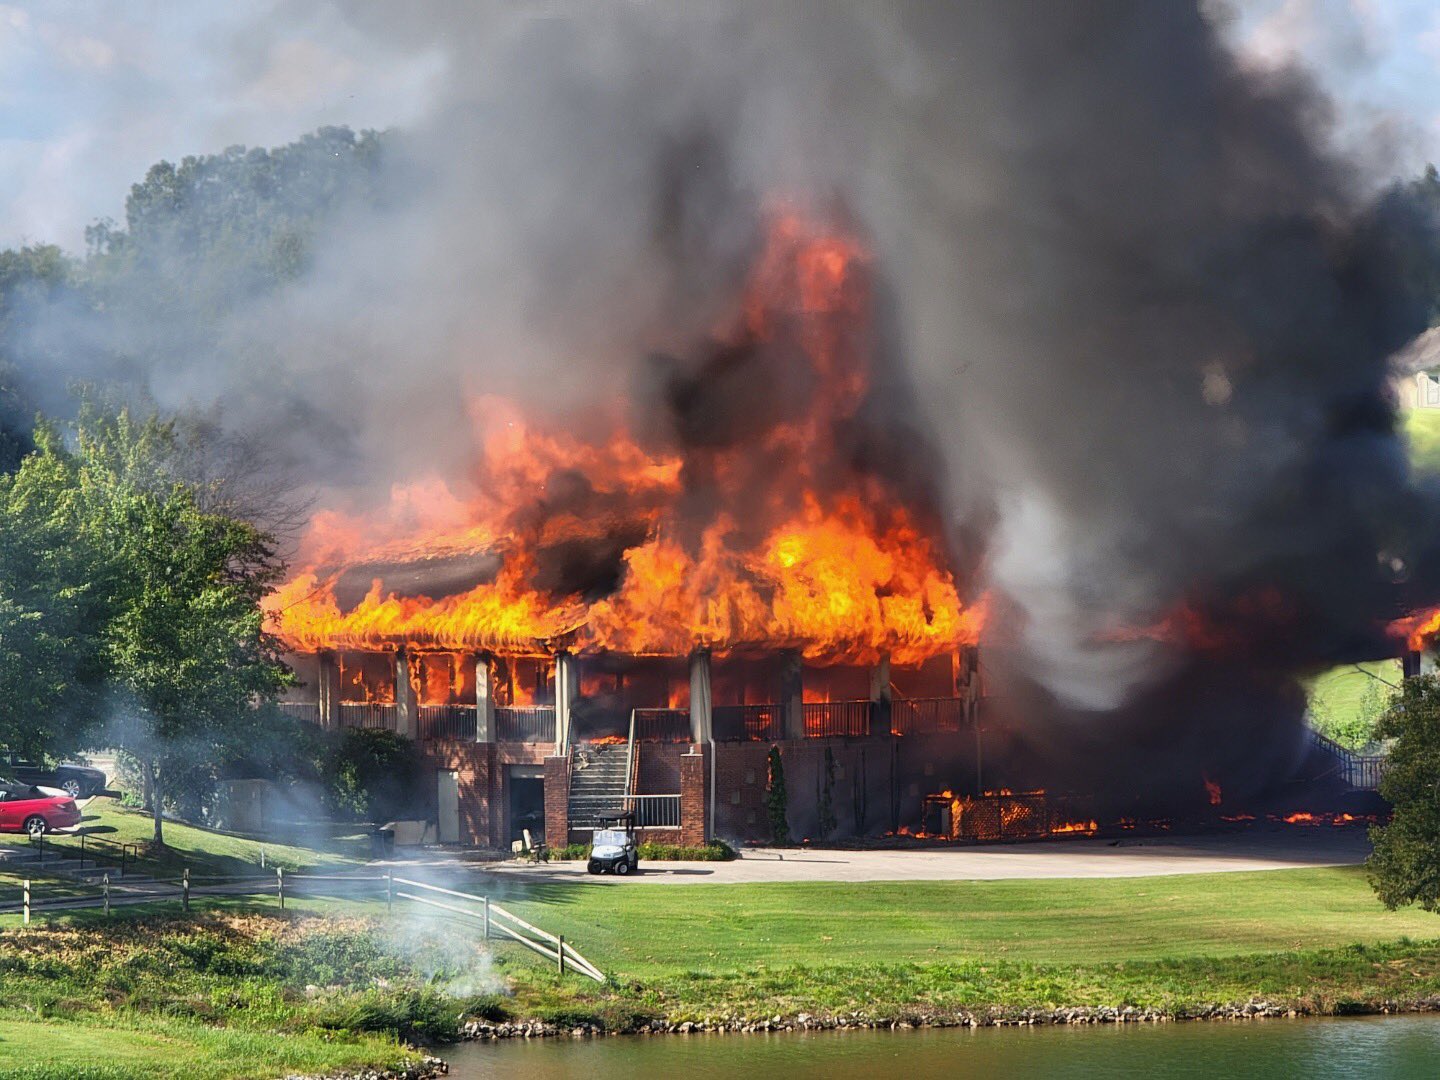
<point>26,808</point>
<point>77,781</point>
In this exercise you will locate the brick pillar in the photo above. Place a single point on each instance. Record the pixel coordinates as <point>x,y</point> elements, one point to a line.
<point>694,776</point>
<point>792,697</point>
<point>329,689</point>
<point>557,801</point>
<point>484,699</point>
<point>701,719</point>
<point>880,697</point>
<point>406,721</point>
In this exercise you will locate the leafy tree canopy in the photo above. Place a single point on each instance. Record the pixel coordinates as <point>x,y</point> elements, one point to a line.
<point>1405,865</point>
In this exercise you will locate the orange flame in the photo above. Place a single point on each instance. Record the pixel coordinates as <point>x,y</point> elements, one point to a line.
<point>796,548</point>
<point>1212,789</point>
<point>1417,629</point>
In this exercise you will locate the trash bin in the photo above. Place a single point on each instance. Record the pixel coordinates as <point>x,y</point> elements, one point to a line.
<point>382,843</point>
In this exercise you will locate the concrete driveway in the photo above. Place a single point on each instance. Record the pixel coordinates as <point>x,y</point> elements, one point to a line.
<point>1260,849</point>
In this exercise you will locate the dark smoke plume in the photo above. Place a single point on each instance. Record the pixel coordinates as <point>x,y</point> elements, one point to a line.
<point>1136,315</point>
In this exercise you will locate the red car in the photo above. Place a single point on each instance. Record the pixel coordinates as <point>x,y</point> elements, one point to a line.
<point>28,809</point>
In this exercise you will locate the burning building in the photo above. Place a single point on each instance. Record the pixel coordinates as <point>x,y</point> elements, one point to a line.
<point>636,618</point>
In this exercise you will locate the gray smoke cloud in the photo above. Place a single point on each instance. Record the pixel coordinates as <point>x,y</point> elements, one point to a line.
<point>1134,302</point>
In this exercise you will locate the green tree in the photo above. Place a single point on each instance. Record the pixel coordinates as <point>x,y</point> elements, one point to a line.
<point>185,650</point>
<point>1405,865</point>
<point>777,801</point>
<point>50,610</point>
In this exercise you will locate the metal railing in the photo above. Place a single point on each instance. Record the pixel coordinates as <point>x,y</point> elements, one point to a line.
<point>1360,771</point>
<point>651,811</point>
<point>661,725</point>
<point>368,714</point>
<point>655,811</point>
<point>446,721</point>
<point>525,723</point>
<point>926,716</point>
<point>88,847</point>
<point>738,723</point>
<point>309,711</point>
<point>835,718</point>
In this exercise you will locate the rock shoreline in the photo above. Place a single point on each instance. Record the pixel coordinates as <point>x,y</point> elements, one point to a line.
<point>425,1069</point>
<point>1254,1009</point>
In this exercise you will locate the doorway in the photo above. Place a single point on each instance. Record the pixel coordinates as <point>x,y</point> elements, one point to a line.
<point>447,802</point>
<point>526,787</point>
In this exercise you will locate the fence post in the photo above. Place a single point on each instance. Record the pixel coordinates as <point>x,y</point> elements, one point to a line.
<point>262,856</point>
<point>106,883</point>
<point>185,889</point>
<point>389,890</point>
<point>486,900</point>
<point>280,885</point>
<point>560,952</point>
<point>27,902</point>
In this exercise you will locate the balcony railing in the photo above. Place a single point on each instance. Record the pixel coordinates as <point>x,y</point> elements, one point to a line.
<point>308,711</point>
<point>447,722</point>
<point>368,714</point>
<point>525,723</point>
<point>927,716</point>
<point>739,723</point>
<point>662,725</point>
<point>836,718</point>
<point>655,811</point>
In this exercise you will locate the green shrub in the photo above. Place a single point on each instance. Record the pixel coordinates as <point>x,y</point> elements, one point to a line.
<point>715,851</point>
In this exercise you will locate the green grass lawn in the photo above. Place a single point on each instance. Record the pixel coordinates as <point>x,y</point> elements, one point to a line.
<point>641,931</point>
<point>33,1049</point>
<point>1422,429</point>
<point>204,851</point>
<point>1344,701</point>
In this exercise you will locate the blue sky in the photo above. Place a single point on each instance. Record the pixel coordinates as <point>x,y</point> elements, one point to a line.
<point>92,92</point>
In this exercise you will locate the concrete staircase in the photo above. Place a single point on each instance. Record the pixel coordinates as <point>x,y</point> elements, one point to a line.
<point>597,783</point>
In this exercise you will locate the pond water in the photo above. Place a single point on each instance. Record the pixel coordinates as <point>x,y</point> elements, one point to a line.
<point>1392,1048</point>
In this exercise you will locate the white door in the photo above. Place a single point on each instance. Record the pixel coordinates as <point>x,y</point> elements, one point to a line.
<point>448,801</point>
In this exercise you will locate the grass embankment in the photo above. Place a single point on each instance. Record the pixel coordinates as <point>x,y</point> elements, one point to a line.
<point>227,995</point>
<point>1346,701</point>
<point>1312,939</point>
<point>203,851</point>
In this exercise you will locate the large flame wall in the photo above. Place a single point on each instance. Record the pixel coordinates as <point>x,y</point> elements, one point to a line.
<point>767,535</point>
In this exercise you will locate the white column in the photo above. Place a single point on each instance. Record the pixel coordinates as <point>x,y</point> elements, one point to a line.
<point>880,694</point>
<point>792,696</point>
<point>566,688</point>
<point>701,712</point>
<point>484,699</point>
<point>406,722</point>
<point>329,689</point>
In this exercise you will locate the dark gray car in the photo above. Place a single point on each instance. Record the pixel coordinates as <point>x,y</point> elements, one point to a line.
<point>77,781</point>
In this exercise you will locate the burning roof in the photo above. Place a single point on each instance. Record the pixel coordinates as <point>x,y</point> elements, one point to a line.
<point>754,523</point>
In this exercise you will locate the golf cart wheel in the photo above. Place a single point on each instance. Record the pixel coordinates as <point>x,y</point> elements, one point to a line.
<point>593,868</point>
<point>72,788</point>
<point>622,867</point>
<point>35,825</point>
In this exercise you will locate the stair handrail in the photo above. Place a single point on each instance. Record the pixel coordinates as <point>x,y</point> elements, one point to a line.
<point>630,759</point>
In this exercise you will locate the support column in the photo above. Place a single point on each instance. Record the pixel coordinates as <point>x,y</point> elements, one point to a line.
<point>557,802</point>
<point>880,697</point>
<point>694,775</point>
<point>328,689</point>
<point>484,699</point>
<point>792,697</point>
<point>566,688</point>
<point>702,724</point>
<point>406,720</point>
<point>967,681</point>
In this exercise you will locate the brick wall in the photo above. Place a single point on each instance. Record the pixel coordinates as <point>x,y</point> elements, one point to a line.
<point>694,773</point>
<point>557,801</point>
<point>479,780</point>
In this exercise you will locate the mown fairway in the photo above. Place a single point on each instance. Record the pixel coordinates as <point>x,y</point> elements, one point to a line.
<point>641,930</point>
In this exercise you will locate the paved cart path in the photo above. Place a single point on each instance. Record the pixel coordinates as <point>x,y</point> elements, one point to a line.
<point>1261,849</point>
